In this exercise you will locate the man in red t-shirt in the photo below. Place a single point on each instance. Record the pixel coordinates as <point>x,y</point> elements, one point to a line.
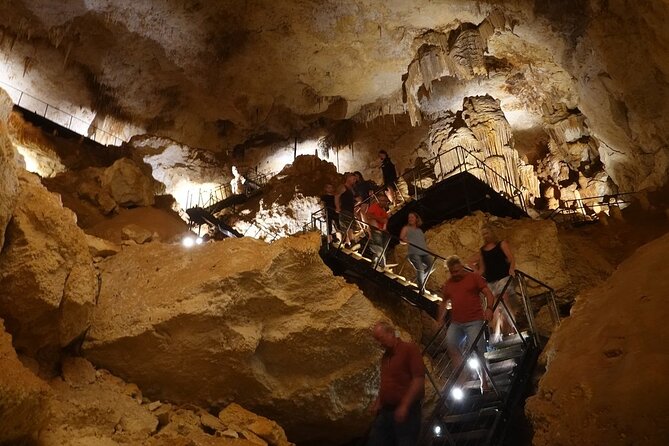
<point>377,216</point>
<point>463,289</point>
<point>397,408</point>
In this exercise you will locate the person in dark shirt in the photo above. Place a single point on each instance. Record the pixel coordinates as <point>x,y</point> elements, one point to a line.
<point>345,206</point>
<point>496,263</point>
<point>397,408</point>
<point>363,190</point>
<point>389,175</point>
<point>328,201</point>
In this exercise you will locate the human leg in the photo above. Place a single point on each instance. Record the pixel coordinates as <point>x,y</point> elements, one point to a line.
<point>382,430</point>
<point>473,330</point>
<point>417,262</point>
<point>377,245</point>
<point>406,434</point>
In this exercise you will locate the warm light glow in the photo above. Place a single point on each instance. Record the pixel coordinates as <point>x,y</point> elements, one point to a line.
<point>188,241</point>
<point>186,193</point>
<point>457,393</point>
<point>42,165</point>
<point>198,241</point>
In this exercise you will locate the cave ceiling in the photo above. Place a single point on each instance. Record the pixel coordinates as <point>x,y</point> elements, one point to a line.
<point>215,74</point>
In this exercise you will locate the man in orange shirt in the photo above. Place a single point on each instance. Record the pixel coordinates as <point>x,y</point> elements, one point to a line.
<point>398,405</point>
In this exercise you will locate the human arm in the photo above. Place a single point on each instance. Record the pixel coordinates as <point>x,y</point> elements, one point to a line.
<point>490,302</point>
<point>441,314</point>
<point>506,248</point>
<point>416,387</point>
<point>414,392</point>
<point>403,235</point>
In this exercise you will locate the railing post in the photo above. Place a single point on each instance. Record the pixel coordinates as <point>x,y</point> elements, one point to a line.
<point>528,309</point>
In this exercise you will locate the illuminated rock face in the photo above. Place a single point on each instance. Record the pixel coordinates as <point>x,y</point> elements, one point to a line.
<point>535,245</point>
<point>47,280</point>
<point>266,326</point>
<point>606,362</point>
<point>282,68</point>
<point>8,179</point>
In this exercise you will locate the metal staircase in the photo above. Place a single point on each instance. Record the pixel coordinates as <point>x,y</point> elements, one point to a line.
<point>463,414</point>
<point>203,205</point>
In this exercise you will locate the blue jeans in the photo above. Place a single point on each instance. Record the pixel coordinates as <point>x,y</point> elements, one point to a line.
<point>387,432</point>
<point>460,336</point>
<point>423,264</point>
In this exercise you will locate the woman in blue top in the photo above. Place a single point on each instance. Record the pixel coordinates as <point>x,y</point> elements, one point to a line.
<point>413,235</point>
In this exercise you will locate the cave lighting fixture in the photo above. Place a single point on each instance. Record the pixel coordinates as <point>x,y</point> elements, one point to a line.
<point>189,241</point>
<point>473,363</point>
<point>437,430</point>
<point>457,393</point>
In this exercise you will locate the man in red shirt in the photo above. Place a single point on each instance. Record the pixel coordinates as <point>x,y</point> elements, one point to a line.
<point>463,289</point>
<point>397,407</point>
<point>377,216</point>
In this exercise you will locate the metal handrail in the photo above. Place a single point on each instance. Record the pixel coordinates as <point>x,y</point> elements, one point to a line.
<point>461,166</point>
<point>568,207</point>
<point>209,197</point>
<point>68,125</point>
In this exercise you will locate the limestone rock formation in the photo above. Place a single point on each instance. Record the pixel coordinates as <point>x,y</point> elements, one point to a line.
<point>266,326</point>
<point>22,396</point>
<point>8,176</point>
<point>101,248</point>
<point>484,132</point>
<point>534,242</point>
<point>136,233</point>
<point>48,284</point>
<point>183,170</point>
<point>127,185</point>
<point>88,406</point>
<point>606,362</point>
<point>289,199</point>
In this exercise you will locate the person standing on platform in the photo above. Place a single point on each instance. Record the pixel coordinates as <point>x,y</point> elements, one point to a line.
<point>389,176</point>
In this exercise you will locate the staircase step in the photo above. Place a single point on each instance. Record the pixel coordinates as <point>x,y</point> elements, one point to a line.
<point>512,352</point>
<point>486,414</point>
<point>470,436</point>
<point>511,340</point>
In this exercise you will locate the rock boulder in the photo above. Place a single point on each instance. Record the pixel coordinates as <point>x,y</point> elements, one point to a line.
<point>534,242</point>
<point>22,396</point>
<point>607,363</point>
<point>47,280</point>
<point>8,178</point>
<point>126,183</point>
<point>266,326</point>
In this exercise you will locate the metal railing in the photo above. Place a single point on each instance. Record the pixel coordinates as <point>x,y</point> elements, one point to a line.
<point>319,222</point>
<point>417,180</point>
<point>205,198</point>
<point>443,365</point>
<point>61,117</point>
<point>586,209</point>
<point>534,293</point>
